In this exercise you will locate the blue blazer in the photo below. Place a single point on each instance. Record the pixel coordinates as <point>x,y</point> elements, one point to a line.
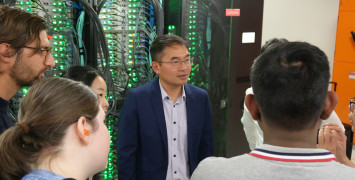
<point>142,136</point>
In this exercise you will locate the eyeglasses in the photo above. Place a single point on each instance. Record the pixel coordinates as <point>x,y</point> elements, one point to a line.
<point>352,104</point>
<point>178,64</point>
<point>48,50</point>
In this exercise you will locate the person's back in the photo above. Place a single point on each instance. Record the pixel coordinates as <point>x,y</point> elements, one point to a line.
<point>290,99</point>
<point>251,167</point>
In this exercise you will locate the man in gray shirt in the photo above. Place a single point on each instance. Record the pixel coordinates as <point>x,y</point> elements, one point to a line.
<point>290,100</point>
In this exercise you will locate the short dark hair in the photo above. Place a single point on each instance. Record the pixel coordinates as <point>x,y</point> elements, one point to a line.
<point>19,28</point>
<point>159,44</point>
<point>271,42</point>
<point>290,83</point>
<point>83,74</point>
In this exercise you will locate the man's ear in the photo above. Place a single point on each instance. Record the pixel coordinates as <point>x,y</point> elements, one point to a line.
<point>330,103</point>
<point>253,106</point>
<point>5,52</point>
<point>82,129</point>
<point>156,67</point>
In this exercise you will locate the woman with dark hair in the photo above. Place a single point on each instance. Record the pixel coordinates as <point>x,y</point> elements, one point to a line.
<point>92,78</point>
<point>60,134</point>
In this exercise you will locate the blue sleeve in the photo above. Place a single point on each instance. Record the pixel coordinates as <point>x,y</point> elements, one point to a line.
<point>128,137</point>
<point>206,147</point>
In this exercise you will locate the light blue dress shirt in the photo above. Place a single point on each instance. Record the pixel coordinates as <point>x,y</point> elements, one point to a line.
<point>176,128</point>
<point>41,174</point>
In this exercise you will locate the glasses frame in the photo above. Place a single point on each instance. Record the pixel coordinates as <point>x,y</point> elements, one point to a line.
<point>178,64</point>
<point>46,49</point>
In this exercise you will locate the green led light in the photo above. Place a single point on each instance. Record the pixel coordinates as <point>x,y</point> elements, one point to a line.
<point>132,17</point>
<point>107,28</point>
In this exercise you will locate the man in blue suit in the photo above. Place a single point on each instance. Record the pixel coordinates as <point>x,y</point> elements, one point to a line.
<point>165,126</point>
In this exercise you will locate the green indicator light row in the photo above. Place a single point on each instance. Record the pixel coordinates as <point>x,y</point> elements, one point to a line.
<point>106,11</point>
<point>59,28</point>
<point>132,17</point>
<point>57,55</point>
<point>106,22</point>
<point>133,5</point>
<point>132,11</point>
<point>107,28</point>
<point>58,17</point>
<point>57,10</point>
<point>60,22</point>
<point>58,37</point>
<point>106,16</point>
<point>60,49</point>
<point>24,3</point>
<point>57,4</point>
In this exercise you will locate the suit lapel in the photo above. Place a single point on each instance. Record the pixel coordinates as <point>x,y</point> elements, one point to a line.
<point>159,111</point>
<point>190,117</point>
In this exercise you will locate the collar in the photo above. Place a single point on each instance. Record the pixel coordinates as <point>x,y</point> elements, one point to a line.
<point>3,105</point>
<point>165,95</point>
<point>277,153</point>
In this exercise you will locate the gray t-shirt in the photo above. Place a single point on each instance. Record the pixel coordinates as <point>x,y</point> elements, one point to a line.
<point>274,163</point>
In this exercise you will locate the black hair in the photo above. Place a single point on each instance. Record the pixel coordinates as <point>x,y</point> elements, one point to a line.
<point>83,74</point>
<point>159,44</point>
<point>272,42</point>
<point>290,84</point>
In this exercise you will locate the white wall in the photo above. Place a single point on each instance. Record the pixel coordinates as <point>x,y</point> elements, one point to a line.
<point>313,21</point>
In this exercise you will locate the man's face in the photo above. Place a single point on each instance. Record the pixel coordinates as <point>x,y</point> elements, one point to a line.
<point>172,77</point>
<point>30,67</point>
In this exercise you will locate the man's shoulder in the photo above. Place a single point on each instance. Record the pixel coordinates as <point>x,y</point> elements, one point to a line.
<point>195,90</point>
<point>221,168</point>
<point>222,161</point>
<point>143,88</point>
